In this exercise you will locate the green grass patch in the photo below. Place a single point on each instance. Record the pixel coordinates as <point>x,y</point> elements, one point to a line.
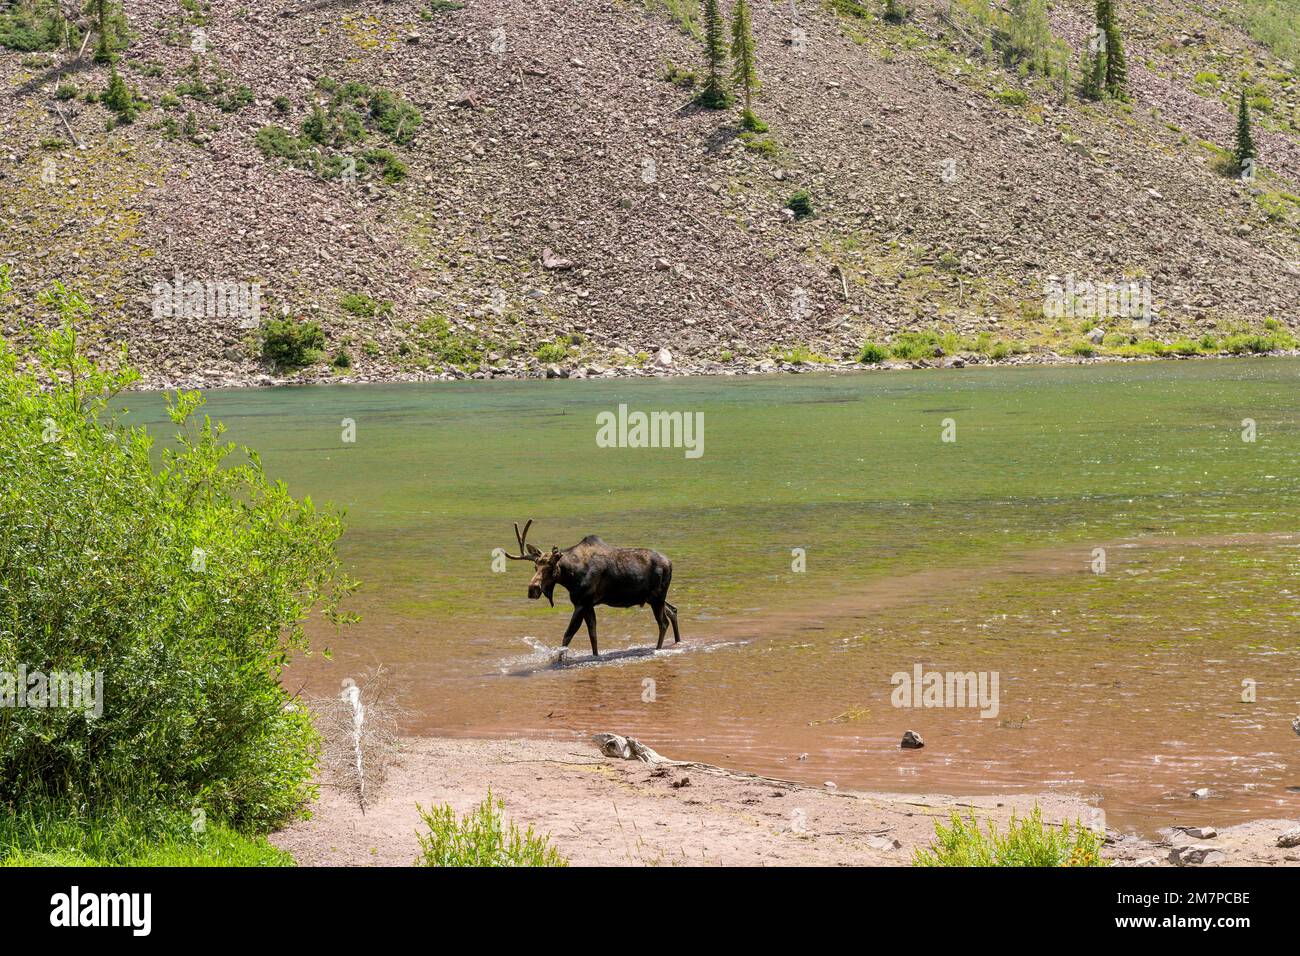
<point>66,835</point>
<point>363,306</point>
<point>1027,842</point>
<point>435,339</point>
<point>481,838</point>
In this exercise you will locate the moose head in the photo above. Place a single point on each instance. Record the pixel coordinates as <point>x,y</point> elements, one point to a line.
<point>543,581</point>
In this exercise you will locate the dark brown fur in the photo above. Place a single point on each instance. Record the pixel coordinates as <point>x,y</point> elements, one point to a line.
<point>593,573</point>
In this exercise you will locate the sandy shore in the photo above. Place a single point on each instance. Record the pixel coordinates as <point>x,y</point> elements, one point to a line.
<point>603,811</point>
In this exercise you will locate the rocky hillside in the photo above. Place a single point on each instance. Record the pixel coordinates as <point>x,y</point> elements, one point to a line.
<point>510,185</point>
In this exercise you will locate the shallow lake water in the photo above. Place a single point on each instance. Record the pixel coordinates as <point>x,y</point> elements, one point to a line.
<point>1100,538</point>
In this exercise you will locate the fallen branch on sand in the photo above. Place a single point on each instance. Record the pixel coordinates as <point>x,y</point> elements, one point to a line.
<point>358,731</point>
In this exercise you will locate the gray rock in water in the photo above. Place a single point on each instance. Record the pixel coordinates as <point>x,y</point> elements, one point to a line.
<point>912,741</point>
<point>1289,839</point>
<point>1201,793</point>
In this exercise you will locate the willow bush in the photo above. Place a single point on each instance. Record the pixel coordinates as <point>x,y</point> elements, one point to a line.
<point>183,574</point>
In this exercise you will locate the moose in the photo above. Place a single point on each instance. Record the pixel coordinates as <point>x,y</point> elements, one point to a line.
<point>597,573</point>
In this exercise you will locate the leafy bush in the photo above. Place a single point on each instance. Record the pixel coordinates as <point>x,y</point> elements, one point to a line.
<point>910,346</point>
<point>800,204</point>
<point>481,839</point>
<point>288,344</point>
<point>873,354</point>
<point>1027,842</point>
<point>180,576</point>
<point>32,25</point>
<point>551,352</point>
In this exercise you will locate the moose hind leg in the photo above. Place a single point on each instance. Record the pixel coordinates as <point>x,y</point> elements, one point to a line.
<point>590,614</point>
<point>574,623</point>
<point>661,618</point>
<point>672,616</point>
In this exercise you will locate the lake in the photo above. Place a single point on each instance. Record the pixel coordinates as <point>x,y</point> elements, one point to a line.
<point>1104,539</point>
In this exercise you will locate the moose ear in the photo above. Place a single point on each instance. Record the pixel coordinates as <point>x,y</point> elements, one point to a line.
<point>534,551</point>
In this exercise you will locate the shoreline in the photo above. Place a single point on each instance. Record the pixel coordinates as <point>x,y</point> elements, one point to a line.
<point>607,811</point>
<point>221,379</point>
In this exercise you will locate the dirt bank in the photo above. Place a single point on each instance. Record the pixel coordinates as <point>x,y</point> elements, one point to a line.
<point>603,811</point>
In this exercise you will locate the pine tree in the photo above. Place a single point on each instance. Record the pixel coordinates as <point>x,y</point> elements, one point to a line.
<point>714,94</point>
<point>110,25</point>
<point>743,72</point>
<point>1092,71</point>
<point>1245,154</point>
<point>1028,31</point>
<point>1116,63</point>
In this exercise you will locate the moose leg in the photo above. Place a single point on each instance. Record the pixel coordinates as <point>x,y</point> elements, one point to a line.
<point>574,623</point>
<point>672,615</point>
<point>591,629</point>
<point>661,618</point>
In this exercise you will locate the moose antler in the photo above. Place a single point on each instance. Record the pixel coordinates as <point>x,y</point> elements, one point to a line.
<point>525,554</point>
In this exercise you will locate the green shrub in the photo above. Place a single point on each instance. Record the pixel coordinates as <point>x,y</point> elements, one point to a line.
<point>290,345</point>
<point>552,352</point>
<point>32,25</point>
<point>873,354</point>
<point>1253,342</point>
<point>752,124</point>
<point>120,100</point>
<point>910,346</point>
<point>1083,349</point>
<point>66,91</point>
<point>182,575</point>
<point>328,137</point>
<point>800,204</point>
<point>276,141</point>
<point>436,338</point>
<point>1027,842</point>
<point>282,104</point>
<point>481,838</point>
<point>757,144</point>
<point>362,305</point>
<point>1012,97</point>
<point>679,76</point>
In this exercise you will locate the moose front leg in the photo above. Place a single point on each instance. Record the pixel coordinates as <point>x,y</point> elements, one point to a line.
<point>574,623</point>
<point>591,629</point>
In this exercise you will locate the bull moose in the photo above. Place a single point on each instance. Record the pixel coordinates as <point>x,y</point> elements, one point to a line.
<point>596,573</point>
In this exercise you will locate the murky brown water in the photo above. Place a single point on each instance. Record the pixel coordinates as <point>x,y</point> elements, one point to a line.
<point>1126,686</point>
